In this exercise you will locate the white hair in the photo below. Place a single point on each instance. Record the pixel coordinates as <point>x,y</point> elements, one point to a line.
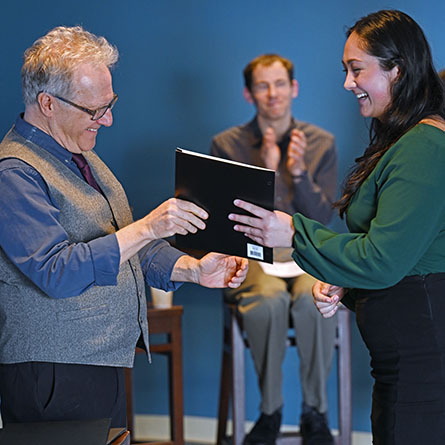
<point>49,63</point>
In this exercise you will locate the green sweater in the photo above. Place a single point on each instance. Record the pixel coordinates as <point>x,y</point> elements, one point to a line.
<point>396,220</point>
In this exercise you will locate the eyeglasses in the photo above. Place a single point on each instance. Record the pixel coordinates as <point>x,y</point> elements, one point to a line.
<point>263,87</point>
<point>95,114</point>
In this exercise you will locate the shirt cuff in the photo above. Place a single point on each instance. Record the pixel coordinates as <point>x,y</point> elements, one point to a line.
<point>304,175</point>
<point>158,260</point>
<point>106,258</point>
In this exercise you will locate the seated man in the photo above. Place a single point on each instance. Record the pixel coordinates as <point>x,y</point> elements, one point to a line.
<point>304,159</point>
<point>72,260</point>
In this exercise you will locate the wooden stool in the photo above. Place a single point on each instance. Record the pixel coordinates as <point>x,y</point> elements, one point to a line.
<point>165,321</point>
<point>232,384</point>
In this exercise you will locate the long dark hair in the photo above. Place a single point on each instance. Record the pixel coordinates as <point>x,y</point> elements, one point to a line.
<point>397,40</point>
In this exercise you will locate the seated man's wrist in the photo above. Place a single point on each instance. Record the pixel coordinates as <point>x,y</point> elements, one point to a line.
<point>299,174</point>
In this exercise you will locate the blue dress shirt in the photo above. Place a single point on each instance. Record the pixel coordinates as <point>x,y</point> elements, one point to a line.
<point>34,240</point>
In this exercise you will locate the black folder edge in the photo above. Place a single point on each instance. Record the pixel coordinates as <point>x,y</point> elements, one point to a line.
<point>253,250</point>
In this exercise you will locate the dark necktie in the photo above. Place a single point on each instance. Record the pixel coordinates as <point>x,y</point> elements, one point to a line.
<point>84,168</point>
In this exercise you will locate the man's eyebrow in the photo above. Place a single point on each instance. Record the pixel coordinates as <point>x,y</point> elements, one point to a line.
<point>104,105</point>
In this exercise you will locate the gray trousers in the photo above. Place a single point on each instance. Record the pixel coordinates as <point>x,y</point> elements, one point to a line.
<point>264,303</point>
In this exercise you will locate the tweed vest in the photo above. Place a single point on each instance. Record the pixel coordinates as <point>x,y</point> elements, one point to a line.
<point>102,325</point>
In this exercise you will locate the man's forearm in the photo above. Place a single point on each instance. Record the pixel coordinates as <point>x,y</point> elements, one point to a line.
<point>132,239</point>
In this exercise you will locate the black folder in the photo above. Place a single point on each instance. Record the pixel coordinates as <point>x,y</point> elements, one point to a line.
<point>213,184</point>
<point>73,432</point>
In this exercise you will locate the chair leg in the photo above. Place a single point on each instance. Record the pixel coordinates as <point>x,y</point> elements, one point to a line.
<point>238,381</point>
<point>224,395</point>
<point>176,388</point>
<point>344,378</point>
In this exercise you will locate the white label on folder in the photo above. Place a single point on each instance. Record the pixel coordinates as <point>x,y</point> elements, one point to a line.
<point>255,252</point>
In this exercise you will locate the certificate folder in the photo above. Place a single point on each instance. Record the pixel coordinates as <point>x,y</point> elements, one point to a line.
<point>213,184</point>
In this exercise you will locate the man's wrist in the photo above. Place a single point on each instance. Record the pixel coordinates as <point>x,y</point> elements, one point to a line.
<point>299,174</point>
<point>186,269</point>
<point>145,230</point>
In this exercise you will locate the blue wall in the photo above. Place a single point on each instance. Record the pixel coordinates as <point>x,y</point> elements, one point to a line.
<point>179,82</point>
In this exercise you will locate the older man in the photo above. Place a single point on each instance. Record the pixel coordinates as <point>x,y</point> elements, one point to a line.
<point>304,159</point>
<point>72,260</point>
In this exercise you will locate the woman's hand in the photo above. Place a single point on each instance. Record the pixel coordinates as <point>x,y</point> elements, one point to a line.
<point>271,229</point>
<point>326,298</point>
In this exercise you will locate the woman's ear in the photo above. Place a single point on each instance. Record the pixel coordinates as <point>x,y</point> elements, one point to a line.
<point>395,73</point>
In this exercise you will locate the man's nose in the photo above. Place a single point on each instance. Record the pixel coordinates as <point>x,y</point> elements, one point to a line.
<point>272,90</point>
<point>107,119</point>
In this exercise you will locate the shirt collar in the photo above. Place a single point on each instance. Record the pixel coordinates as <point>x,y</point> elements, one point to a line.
<point>257,136</point>
<point>40,138</point>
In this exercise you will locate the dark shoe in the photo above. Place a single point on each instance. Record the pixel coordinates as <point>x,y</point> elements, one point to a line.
<point>265,430</point>
<point>314,428</point>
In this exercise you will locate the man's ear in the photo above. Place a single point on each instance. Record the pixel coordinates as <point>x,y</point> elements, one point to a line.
<point>248,95</point>
<point>294,88</point>
<point>46,104</point>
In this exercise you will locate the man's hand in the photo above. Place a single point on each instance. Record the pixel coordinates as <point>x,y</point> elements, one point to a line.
<point>212,270</point>
<point>295,153</point>
<point>171,217</point>
<point>270,152</point>
<point>326,297</point>
<point>271,229</point>
<point>217,270</point>
<point>174,216</point>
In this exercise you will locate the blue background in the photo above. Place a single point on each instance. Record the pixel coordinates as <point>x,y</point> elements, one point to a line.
<point>179,82</point>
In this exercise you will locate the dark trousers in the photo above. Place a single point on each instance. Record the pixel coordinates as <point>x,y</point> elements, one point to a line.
<point>404,330</point>
<point>35,391</point>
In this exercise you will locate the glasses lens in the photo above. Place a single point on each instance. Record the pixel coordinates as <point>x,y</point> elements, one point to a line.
<point>100,112</point>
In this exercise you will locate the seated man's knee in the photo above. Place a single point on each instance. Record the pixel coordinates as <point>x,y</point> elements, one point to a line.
<point>270,299</point>
<point>302,300</point>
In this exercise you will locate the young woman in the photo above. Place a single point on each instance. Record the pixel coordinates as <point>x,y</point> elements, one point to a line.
<point>390,267</point>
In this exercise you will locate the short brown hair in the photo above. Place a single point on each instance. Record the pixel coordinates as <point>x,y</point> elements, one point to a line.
<point>266,60</point>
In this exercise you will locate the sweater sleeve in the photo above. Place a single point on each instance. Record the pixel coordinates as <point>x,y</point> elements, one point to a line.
<point>396,221</point>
